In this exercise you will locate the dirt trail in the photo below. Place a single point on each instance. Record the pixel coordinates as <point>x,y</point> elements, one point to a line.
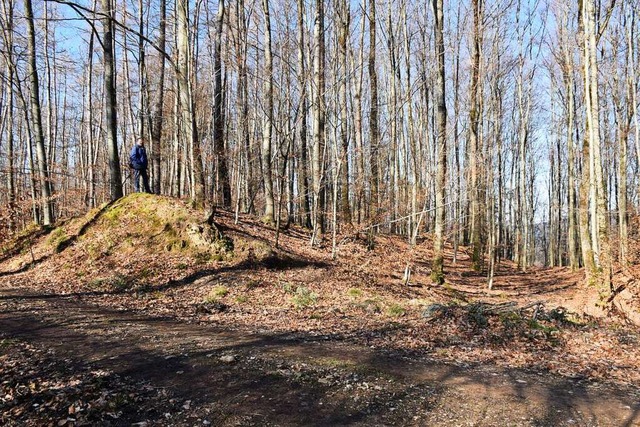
<point>206,375</point>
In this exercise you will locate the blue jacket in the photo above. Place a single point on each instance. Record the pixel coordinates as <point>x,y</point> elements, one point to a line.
<point>138,157</point>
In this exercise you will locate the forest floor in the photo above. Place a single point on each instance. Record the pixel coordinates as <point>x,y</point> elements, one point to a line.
<point>123,318</point>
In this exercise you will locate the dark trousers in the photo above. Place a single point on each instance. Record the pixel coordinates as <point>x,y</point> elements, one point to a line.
<point>141,173</point>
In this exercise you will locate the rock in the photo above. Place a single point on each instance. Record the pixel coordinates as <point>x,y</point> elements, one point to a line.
<point>228,358</point>
<point>434,310</point>
<point>211,307</point>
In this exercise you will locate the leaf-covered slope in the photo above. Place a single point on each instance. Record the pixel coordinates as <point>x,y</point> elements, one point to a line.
<point>138,235</point>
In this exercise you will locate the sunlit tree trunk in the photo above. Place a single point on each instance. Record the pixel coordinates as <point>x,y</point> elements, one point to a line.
<point>437,274</point>
<point>374,131</point>
<point>568,80</point>
<point>343,38</point>
<point>303,178</point>
<point>593,134</point>
<point>7,33</point>
<point>36,117</point>
<point>267,122</point>
<point>187,108</point>
<point>318,107</point>
<point>156,119</point>
<point>474,145</point>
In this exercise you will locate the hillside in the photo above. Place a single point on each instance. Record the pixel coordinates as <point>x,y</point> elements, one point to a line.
<point>154,257</point>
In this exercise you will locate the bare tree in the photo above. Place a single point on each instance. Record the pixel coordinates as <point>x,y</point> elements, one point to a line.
<point>437,274</point>
<point>318,107</point>
<point>187,109</point>
<point>218,111</point>
<point>36,116</point>
<point>374,131</point>
<point>267,123</point>
<point>474,145</point>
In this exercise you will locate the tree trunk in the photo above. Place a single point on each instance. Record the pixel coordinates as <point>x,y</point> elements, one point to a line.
<point>593,122</point>
<point>156,120</point>
<point>187,108</point>
<point>36,116</point>
<point>474,118</point>
<point>343,36</point>
<point>8,11</point>
<point>374,131</point>
<point>302,132</point>
<point>318,123</point>
<point>437,274</point>
<point>267,122</point>
<point>218,110</point>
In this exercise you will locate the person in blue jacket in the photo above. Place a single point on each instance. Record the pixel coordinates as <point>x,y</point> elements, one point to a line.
<point>138,161</point>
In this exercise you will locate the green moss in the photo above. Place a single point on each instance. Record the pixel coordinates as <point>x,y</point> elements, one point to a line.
<point>396,310</point>
<point>354,292</point>
<point>58,239</point>
<point>216,293</point>
<point>304,297</point>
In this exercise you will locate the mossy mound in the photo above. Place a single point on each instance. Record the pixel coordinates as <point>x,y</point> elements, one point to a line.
<point>152,223</point>
<point>138,225</point>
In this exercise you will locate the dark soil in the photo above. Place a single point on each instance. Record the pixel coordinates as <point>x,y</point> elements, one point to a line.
<point>66,361</point>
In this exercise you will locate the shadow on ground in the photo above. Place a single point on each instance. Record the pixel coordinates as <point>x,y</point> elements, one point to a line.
<point>296,379</point>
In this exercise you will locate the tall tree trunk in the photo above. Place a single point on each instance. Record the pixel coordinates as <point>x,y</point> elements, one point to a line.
<point>187,107</point>
<point>111,112</point>
<point>302,132</point>
<point>36,117</point>
<point>218,110</point>
<point>568,77</point>
<point>593,123</point>
<point>318,122</point>
<point>474,146</point>
<point>588,257</point>
<point>345,19</point>
<point>357,69</point>
<point>267,122</point>
<point>8,11</point>
<point>437,274</point>
<point>374,131</point>
<point>156,122</point>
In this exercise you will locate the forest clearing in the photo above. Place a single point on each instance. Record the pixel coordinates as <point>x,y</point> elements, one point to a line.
<point>103,323</point>
<point>319,212</point>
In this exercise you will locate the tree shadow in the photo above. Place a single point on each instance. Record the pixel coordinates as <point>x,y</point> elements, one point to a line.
<point>276,378</point>
<point>274,263</point>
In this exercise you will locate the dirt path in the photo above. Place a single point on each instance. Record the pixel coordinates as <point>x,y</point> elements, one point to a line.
<point>188,374</point>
